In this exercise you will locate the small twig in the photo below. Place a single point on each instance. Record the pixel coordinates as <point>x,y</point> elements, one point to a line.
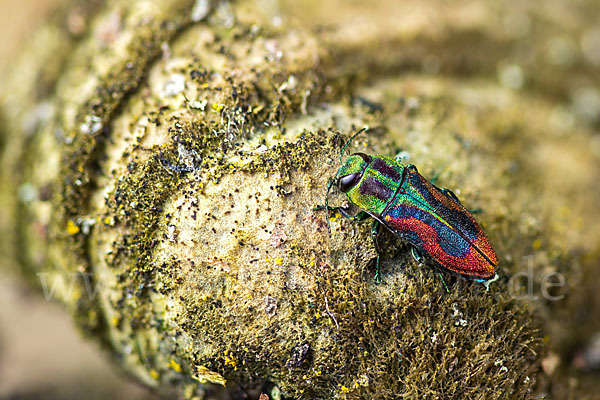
<point>330,314</point>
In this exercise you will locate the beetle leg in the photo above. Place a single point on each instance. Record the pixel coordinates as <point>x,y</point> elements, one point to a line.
<point>451,194</point>
<point>434,179</point>
<point>361,216</point>
<point>420,258</point>
<point>417,255</point>
<point>442,278</point>
<point>412,167</point>
<point>375,228</point>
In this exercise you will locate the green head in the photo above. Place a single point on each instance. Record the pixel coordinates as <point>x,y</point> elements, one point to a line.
<point>349,173</point>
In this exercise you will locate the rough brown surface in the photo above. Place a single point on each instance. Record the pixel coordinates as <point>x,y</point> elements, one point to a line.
<point>169,159</point>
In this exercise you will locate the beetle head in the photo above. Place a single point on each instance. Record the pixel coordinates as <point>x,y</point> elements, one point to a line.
<point>352,171</point>
<point>349,173</point>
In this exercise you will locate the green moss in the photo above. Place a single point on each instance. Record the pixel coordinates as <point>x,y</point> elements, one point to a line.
<point>79,158</point>
<point>345,302</point>
<point>85,144</point>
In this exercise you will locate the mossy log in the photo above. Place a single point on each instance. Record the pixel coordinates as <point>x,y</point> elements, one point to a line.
<point>169,156</point>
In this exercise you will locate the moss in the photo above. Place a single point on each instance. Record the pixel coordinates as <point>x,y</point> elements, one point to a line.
<point>84,146</point>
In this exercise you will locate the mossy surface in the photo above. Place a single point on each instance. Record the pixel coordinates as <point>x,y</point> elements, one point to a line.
<point>177,158</point>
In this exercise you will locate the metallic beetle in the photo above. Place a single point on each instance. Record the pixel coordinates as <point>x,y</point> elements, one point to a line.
<point>431,219</point>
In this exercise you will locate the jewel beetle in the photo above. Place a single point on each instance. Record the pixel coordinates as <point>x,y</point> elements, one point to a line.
<point>432,220</point>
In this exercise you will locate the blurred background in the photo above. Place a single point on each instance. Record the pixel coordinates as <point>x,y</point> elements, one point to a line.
<point>42,355</point>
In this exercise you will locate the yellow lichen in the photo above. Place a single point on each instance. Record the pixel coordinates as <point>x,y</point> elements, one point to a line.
<point>175,366</point>
<point>230,360</point>
<point>72,229</point>
<point>154,374</point>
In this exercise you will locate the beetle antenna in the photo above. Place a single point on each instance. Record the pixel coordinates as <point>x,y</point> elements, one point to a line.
<point>327,205</point>
<point>350,140</point>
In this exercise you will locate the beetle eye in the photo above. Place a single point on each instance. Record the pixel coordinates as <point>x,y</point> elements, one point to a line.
<point>347,182</point>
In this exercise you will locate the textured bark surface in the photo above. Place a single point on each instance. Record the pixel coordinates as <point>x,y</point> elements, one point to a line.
<point>170,158</point>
